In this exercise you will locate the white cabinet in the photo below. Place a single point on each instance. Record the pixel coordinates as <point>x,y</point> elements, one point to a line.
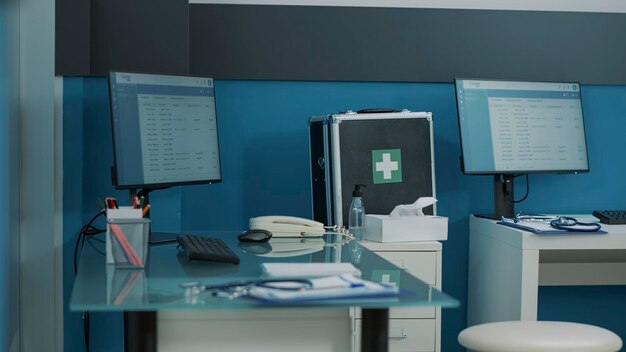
<point>320,329</point>
<point>410,329</point>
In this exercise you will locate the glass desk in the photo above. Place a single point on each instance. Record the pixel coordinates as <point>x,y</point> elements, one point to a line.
<point>140,294</point>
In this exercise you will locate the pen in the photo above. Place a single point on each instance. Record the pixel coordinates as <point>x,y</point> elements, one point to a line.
<point>145,210</point>
<point>126,247</point>
<point>111,203</point>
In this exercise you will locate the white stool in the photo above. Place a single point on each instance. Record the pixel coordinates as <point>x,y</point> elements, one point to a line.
<point>539,336</point>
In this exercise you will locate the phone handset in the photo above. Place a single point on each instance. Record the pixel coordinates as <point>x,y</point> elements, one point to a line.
<point>288,226</point>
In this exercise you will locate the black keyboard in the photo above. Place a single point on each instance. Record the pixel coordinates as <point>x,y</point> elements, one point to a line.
<point>207,248</point>
<point>611,217</point>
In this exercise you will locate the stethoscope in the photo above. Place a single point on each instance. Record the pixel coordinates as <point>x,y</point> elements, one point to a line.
<point>565,223</point>
<point>237,289</point>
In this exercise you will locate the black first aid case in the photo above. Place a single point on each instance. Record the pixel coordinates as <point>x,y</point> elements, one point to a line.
<point>391,153</point>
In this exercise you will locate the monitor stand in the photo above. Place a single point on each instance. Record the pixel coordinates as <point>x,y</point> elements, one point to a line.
<point>155,238</point>
<point>502,194</point>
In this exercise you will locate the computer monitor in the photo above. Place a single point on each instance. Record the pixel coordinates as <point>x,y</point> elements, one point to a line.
<point>164,130</point>
<point>510,128</point>
<point>164,134</point>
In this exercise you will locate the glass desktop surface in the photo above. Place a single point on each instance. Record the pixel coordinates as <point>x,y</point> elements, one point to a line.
<point>101,287</point>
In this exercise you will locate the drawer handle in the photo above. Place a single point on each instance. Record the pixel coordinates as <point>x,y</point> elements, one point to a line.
<point>397,334</point>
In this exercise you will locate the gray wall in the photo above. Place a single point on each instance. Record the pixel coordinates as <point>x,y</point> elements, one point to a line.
<point>339,43</point>
<point>391,44</point>
<point>38,235</point>
<point>9,176</point>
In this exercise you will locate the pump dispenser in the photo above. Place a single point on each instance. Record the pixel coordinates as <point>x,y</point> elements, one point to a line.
<point>356,212</point>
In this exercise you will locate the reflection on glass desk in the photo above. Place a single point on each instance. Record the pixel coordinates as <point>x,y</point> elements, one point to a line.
<point>99,287</point>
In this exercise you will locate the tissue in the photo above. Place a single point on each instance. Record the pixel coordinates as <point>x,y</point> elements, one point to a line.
<point>407,223</point>
<point>415,209</point>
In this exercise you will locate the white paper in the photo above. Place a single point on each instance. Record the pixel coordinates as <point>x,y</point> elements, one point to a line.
<point>304,270</point>
<point>335,287</point>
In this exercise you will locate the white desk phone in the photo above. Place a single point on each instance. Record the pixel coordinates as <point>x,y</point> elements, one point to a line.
<point>288,226</point>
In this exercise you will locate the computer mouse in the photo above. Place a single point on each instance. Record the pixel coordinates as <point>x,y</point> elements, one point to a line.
<point>255,235</point>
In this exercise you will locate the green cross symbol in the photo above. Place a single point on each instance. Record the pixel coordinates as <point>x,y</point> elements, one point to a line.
<point>387,277</point>
<point>386,166</point>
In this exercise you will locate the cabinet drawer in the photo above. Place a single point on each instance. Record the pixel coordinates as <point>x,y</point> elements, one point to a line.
<point>422,265</point>
<point>406,335</point>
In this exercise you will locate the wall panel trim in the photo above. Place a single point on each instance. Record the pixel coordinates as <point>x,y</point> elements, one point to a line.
<point>528,5</point>
<point>404,44</point>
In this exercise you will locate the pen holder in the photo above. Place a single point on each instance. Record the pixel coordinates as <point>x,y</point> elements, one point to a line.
<point>126,286</point>
<point>129,241</point>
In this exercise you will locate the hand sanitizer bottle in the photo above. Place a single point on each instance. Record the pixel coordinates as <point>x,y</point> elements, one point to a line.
<point>356,213</point>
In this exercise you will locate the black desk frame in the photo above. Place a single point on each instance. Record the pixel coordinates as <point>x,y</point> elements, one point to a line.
<point>140,331</point>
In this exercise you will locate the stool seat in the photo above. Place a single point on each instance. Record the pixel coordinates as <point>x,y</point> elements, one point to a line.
<point>539,336</point>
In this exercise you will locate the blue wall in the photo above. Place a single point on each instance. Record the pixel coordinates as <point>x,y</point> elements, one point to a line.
<point>264,145</point>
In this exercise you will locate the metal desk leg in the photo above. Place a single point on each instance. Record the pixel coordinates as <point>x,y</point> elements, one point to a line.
<point>375,330</point>
<point>140,331</point>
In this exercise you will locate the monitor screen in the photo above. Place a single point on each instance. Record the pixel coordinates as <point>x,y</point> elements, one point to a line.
<point>520,127</point>
<point>164,130</point>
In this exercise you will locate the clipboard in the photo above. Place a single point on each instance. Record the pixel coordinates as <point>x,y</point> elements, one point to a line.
<point>338,287</point>
<point>544,228</point>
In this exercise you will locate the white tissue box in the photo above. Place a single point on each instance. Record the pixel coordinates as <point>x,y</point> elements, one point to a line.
<point>384,228</point>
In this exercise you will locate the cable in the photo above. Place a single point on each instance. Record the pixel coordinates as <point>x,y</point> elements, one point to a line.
<point>341,231</point>
<point>87,230</point>
<point>90,242</point>
<point>525,196</point>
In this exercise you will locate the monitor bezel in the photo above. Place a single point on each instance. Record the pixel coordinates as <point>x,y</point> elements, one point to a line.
<point>517,172</point>
<point>115,171</point>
